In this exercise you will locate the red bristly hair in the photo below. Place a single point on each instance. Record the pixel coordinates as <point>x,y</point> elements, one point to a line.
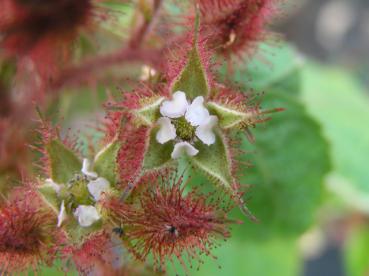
<point>170,223</point>
<point>28,235</point>
<point>235,26</point>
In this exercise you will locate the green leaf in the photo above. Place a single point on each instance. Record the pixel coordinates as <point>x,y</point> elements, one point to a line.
<point>64,163</point>
<point>356,252</point>
<point>238,257</point>
<point>105,163</point>
<point>157,155</point>
<point>214,161</point>
<point>341,105</point>
<point>228,118</point>
<point>149,113</point>
<point>192,80</point>
<point>290,161</point>
<point>270,65</point>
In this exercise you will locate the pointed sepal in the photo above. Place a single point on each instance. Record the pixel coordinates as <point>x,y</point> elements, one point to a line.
<point>193,78</point>
<point>232,117</point>
<point>157,155</point>
<point>64,163</point>
<point>105,164</point>
<point>50,197</point>
<point>149,112</point>
<point>216,163</point>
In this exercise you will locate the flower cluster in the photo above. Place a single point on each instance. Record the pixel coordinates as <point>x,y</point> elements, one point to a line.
<point>84,210</point>
<point>131,197</point>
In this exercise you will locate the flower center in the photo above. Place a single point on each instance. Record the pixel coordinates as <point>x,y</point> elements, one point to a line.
<point>184,129</point>
<point>77,187</point>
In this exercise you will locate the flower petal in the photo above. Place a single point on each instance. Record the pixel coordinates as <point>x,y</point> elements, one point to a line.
<point>182,147</point>
<point>61,216</point>
<point>175,108</point>
<point>86,169</point>
<point>205,131</point>
<point>196,113</point>
<point>87,215</point>
<point>166,132</point>
<point>97,187</point>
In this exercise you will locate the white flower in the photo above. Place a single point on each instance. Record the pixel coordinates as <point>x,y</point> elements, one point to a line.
<point>182,147</point>
<point>166,132</point>
<point>97,187</point>
<point>196,123</point>
<point>86,169</point>
<point>86,215</point>
<point>61,216</point>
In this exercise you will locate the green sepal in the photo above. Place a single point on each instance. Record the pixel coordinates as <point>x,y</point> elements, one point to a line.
<point>149,113</point>
<point>77,234</point>
<point>64,164</point>
<point>50,197</point>
<point>105,164</point>
<point>214,162</point>
<point>228,117</point>
<point>193,78</point>
<point>157,155</point>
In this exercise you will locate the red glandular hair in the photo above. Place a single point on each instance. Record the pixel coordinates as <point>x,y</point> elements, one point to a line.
<point>235,26</point>
<point>132,134</point>
<point>92,255</point>
<point>169,223</point>
<point>41,30</point>
<point>27,236</point>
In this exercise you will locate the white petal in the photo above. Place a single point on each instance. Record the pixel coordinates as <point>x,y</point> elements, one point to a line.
<point>61,215</point>
<point>175,108</point>
<point>53,185</point>
<point>97,187</point>
<point>182,147</point>
<point>196,113</point>
<point>166,132</point>
<point>87,215</point>
<point>205,131</point>
<point>86,169</point>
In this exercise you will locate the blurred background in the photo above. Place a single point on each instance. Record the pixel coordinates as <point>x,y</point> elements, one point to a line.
<point>336,33</point>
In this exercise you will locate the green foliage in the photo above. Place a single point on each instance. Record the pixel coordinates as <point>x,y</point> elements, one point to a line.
<point>357,252</point>
<point>238,257</point>
<point>105,163</point>
<point>271,65</point>
<point>64,163</point>
<point>341,107</point>
<point>290,161</point>
<point>290,156</point>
